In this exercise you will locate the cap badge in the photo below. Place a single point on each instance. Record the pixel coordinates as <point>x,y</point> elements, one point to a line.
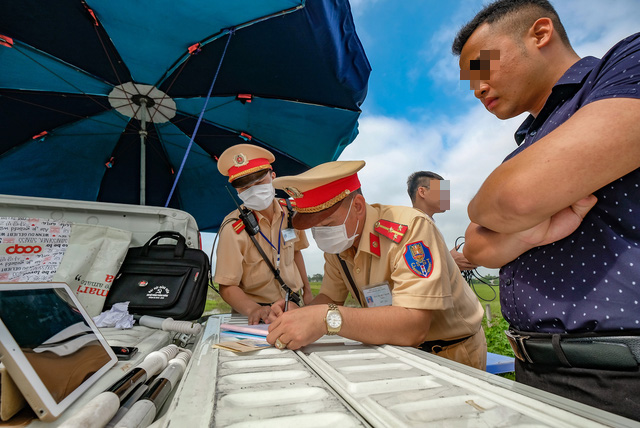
<point>293,192</point>
<point>240,160</point>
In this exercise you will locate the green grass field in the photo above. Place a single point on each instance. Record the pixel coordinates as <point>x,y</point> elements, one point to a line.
<point>493,328</point>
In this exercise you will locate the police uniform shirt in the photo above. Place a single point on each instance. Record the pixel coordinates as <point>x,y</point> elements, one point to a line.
<point>419,269</point>
<point>238,262</point>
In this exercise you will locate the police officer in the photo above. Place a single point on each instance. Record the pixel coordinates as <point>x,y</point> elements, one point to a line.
<point>246,281</point>
<point>392,259</point>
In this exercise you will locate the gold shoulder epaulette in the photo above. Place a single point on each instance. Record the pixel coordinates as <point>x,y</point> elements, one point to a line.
<point>391,230</point>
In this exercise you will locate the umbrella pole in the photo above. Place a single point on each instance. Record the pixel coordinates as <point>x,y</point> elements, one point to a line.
<point>143,150</point>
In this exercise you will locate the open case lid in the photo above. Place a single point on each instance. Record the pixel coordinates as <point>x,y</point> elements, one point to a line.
<point>49,345</point>
<point>142,221</point>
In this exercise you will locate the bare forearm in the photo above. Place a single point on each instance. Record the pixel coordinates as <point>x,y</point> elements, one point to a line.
<point>563,167</point>
<point>237,299</point>
<point>491,249</point>
<point>392,325</point>
<point>323,299</point>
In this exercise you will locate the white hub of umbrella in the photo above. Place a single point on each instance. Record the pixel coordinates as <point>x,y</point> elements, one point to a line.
<point>143,102</point>
<point>147,104</point>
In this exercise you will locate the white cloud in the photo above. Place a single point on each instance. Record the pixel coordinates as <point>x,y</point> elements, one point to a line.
<point>594,26</point>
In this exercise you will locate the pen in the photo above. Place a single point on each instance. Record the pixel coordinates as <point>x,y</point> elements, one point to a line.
<point>286,300</point>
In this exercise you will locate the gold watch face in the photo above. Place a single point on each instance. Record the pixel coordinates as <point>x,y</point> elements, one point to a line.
<point>334,320</point>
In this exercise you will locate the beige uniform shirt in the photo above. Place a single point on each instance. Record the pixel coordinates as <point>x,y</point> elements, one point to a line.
<point>432,281</point>
<point>239,263</point>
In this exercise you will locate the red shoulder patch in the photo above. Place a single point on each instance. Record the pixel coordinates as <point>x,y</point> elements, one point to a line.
<point>238,226</point>
<point>391,230</point>
<point>374,245</point>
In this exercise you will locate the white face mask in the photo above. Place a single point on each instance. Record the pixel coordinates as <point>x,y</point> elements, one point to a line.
<point>258,197</point>
<point>334,239</point>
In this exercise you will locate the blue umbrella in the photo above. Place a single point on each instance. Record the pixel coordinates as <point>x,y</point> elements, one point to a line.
<point>132,102</point>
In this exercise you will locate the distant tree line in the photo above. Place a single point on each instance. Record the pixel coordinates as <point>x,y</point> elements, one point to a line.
<point>315,277</point>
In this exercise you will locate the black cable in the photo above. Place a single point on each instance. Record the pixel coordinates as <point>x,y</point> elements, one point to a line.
<point>214,246</point>
<point>470,275</point>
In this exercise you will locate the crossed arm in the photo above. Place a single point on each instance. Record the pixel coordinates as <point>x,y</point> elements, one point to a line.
<point>542,194</point>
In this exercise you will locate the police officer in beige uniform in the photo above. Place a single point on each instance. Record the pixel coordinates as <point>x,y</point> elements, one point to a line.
<point>246,281</point>
<point>411,291</point>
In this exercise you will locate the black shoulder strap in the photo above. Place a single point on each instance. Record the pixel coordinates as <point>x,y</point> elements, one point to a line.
<point>354,289</point>
<point>290,214</point>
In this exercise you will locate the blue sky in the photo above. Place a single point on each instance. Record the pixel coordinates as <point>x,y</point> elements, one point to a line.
<point>419,116</point>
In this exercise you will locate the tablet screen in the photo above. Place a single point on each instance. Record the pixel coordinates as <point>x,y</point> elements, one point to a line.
<point>54,337</point>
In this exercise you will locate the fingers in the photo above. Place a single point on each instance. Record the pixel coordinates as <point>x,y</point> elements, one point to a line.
<point>258,314</point>
<point>254,318</point>
<point>275,311</point>
<point>278,308</point>
<point>271,318</point>
<point>583,206</point>
<point>282,343</point>
<point>264,314</point>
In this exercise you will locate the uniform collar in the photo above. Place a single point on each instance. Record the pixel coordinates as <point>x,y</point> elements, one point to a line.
<point>277,212</point>
<point>373,215</point>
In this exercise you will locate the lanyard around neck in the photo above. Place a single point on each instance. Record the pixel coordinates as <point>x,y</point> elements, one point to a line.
<point>279,238</point>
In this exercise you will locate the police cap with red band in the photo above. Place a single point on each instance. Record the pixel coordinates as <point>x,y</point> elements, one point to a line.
<point>244,159</point>
<point>318,191</point>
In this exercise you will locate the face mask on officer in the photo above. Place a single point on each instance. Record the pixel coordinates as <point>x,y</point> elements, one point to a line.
<point>334,239</point>
<point>259,196</point>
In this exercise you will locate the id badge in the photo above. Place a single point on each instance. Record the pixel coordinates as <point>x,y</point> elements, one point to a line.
<point>288,235</point>
<point>377,295</point>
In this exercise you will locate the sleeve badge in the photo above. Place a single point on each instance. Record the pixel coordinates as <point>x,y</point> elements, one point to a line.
<point>418,258</point>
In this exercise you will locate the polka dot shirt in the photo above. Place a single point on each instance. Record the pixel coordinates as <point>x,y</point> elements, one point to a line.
<point>589,281</point>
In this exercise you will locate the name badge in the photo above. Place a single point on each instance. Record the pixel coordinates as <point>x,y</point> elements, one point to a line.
<point>288,235</point>
<point>377,295</point>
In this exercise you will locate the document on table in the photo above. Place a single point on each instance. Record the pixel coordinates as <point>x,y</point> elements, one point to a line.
<point>255,330</point>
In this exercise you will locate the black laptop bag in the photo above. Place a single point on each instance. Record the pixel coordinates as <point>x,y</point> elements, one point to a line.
<point>163,280</point>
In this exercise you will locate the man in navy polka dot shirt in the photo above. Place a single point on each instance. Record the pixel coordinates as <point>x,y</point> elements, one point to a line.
<point>561,215</point>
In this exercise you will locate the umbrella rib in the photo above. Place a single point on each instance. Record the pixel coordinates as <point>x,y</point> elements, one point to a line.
<point>61,111</point>
<point>222,33</point>
<point>106,53</point>
<point>104,48</point>
<point>80,91</point>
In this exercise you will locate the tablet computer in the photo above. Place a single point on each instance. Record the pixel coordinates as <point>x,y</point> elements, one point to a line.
<point>49,345</point>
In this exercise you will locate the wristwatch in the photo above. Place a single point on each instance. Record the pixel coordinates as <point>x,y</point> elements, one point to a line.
<point>333,320</point>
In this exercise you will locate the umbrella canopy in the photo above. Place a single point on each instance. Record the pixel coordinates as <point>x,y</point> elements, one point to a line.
<point>132,102</point>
